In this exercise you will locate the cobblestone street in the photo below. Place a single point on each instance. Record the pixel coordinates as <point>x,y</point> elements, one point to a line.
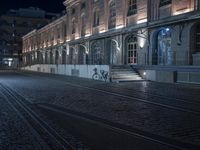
<point>163,112</point>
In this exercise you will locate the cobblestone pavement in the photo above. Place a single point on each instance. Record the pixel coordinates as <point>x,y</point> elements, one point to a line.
<point>168,110</point>
<point>14,133</point>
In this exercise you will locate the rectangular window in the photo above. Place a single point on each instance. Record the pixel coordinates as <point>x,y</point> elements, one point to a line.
<point>73,11</point>
<point>165,2</point>
<point>73,27</point>
<point>83,5</point>
<point>96,19</point>
<point>198,38</point>
<point>65,30</point>
<point>132,7</point>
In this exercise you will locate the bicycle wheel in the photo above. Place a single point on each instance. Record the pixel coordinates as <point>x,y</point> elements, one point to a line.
<point>96,77</point>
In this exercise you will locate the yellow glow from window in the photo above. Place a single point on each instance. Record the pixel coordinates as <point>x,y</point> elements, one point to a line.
<point>102,31</point>
<point>87,35</point>
<point>182,11</point>
<point>141,21</point>
<point>119,27</point>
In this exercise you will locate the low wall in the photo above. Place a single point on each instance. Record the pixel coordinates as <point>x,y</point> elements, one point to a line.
<point>96,72</point>
<point>190,77</point>
<point>173,76</point>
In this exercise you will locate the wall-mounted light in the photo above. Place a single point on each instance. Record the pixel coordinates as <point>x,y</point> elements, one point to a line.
<point>141,42</point>
<point>67,49</point>
<point>76,51</point>
<point>85,47</point>
<point>167,29</point>
<point>117,44</point>
<point>87,52</point>
<point>144,73</point>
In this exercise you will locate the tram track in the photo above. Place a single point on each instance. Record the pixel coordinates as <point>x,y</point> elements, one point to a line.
<point>151,93</point>
<point>114,128</point>
<point>46,136</point>
<point>134,97</point>
<point>9,93</point>
<point>156,97</point>
<point>138,99</point>
<point>168,143</point>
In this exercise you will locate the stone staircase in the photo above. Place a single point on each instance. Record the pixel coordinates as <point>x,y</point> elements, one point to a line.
<point>124,73</point>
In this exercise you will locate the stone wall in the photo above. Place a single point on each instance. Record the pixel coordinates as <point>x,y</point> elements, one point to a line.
<point>96,72</point>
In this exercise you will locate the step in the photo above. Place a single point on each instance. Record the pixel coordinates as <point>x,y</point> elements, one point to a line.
<point>125,72</point>
<point>125,76</point>
<point>125,69</point>
<point>121,66</point>
<point>135,78</point>
<point>126,80</point>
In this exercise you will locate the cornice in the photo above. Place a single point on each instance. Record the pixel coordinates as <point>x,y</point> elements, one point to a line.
<point>69,3</point>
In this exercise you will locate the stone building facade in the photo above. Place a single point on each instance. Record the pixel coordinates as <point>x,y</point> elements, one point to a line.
<point>158,37</point>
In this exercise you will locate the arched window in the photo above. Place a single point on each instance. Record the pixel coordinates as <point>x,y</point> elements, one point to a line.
<point>97,54</point>
<point>46,58</point>
<point>132,7</point>
<point>132,47</point>
<point>96,18</point>
<point>165,53</point>
<point>73,55</point>
<point>112,15</point>
<point>82,55</point>
<point>57,57</point>
<point>51,58</point>
<point>64,57</point>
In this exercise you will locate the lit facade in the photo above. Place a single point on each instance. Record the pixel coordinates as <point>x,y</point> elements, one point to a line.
<point>160,37</point>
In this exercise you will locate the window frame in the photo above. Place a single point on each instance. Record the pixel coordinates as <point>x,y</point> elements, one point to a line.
<point>165,2</point>
<point>132,7</point>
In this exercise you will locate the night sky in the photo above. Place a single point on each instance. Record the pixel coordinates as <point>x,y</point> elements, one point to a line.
<point>48,5</point>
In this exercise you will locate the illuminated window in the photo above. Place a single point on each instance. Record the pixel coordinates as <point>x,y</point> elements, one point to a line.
<point>97,53</point>
<point>132,7</point>
<point>112,15</point>
<point>132,50</point>
<point>96,18</point>
<point>165,52</point>
<point>165,2</point>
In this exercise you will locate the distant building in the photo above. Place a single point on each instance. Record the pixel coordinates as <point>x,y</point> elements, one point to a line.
<point>13,25</point>
<point>159,38</point>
